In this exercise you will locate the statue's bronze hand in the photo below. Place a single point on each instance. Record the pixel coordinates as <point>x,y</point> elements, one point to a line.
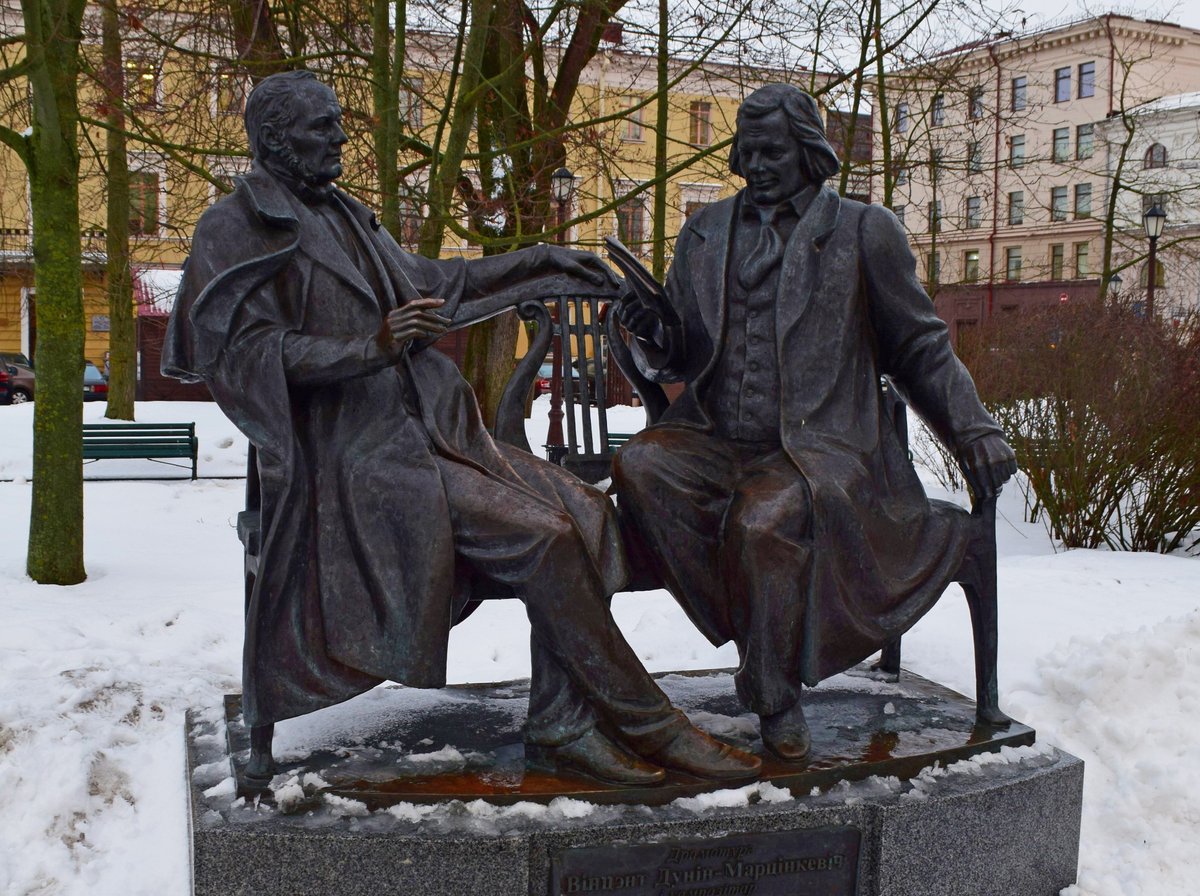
<point>582,265</point>
<point>987,463</point>
<point>414,320</point>
<point>640,318</point>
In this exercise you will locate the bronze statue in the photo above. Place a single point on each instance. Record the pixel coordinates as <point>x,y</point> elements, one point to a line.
<point>774,496</point>
<point>384,499</point>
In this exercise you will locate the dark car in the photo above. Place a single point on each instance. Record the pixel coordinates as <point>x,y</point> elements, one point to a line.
<point>18,377</point>
<point>95,386</point>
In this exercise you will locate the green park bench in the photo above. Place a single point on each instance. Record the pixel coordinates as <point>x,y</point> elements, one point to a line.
<point>149,441</point>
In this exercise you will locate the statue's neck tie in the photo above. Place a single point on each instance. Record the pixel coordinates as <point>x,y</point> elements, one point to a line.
<point>766,252</point>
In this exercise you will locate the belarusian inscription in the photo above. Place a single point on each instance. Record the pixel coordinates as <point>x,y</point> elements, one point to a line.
<point>795,863</point>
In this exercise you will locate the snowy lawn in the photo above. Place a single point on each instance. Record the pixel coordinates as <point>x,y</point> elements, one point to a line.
<point>1099,651</point>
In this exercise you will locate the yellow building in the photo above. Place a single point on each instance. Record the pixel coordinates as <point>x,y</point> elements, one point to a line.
<point>195,114</point>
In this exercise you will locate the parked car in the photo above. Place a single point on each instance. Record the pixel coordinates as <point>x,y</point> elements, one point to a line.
<point>16,378</point>
<point>95,386</point>
<point>21,385</point>
<point>541,385</point>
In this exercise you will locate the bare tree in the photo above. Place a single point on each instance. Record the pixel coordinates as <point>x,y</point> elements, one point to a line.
<point>49,150</point>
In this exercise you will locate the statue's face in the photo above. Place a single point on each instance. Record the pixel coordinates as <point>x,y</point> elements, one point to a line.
<point>770,159</point>
<point>312,145</point>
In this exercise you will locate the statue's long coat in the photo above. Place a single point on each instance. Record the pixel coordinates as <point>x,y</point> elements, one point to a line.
<point>849,308</point>
<point>357,580</point>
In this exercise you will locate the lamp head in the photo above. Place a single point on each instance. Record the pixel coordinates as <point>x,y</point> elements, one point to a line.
<point>1153,221</point>
<point>562,182</point>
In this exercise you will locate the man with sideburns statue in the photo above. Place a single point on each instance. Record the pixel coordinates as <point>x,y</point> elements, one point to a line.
<point>385,500</point>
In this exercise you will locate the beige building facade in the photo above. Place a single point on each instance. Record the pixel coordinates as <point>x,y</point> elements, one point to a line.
<point>998,169</point>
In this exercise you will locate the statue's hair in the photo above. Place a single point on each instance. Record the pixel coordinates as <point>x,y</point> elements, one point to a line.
<point>274,102</point>
<point>817,157</point>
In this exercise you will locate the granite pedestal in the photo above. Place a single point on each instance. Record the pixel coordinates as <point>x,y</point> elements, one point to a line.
<point>424,792</point>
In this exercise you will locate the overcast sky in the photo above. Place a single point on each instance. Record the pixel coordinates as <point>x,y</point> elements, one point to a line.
<point>1045,13</point>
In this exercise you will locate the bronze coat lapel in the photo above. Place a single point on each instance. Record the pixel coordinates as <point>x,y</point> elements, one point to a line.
<point>802,260</point>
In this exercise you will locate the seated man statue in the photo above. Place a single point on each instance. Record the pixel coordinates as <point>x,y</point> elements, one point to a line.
<point>774,496</point>
<point>384,498</point>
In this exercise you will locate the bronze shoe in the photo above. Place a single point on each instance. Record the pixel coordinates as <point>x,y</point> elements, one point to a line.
<point>594,755</point>
<point>786,734</point>
<point>694,752</point>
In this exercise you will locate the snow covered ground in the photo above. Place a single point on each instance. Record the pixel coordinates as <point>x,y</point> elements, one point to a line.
<point>1099,651</point>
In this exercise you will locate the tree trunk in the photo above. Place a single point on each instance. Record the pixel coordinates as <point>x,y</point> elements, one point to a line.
<point>659,268</point>
<point>56,519</point>
<point>387,73</point>
<point>122,342</point>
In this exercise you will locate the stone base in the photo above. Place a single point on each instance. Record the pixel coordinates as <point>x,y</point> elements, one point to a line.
<point>404,791</point>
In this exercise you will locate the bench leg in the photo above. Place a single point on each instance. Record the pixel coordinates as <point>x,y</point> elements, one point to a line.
<point>889,659</point>
<point>261,767</point>
<point>981,592</point>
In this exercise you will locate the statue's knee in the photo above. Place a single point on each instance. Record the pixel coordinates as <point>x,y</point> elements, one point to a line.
<point>637,461</point>
<point>791,520</point>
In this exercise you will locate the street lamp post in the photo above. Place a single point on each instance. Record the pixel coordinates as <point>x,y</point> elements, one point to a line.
<point>1113,293</point>
<point>562,183</point>
<point>1153,221</point>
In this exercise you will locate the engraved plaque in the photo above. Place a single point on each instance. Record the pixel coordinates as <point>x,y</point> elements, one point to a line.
<point>821,862</point>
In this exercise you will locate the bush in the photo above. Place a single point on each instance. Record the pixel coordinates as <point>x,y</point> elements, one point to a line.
<point>1101,407</point>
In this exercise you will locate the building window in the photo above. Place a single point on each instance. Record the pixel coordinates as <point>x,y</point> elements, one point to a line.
<point>1012,263</point>
<point>933,266</point>
<point>141,83</point>
<point>1062,144</point>
<point>901,175</point>
<point>410,224</point>
<point>1016,207</point>
<point>971,265</point>
<point>974,211</point>
<point>695,197</point>
<point>1083,200</point>
<point>899,211</point>
<point>1058,203</point>
<point>143,203</point>
<point>1062,84</point>
<point>975,102</point>
<point>1087,79</point>
<point>412,109</point>
<point>901,118</point>
<point>1160,274</point>
<point>230,92</point>
<point>933,212</point>
<point>1149,200</point>
<point>223,170</point>
<point>1018,94</point>
<point>700,124</point>
<point>937,112</point>
<point>1156,157</point>
<point>935,162</point>
<point>974,157</point>
<point>633,132</point>
<point>1085,141</point>
<point>1081,260</point>
<point>1016,150</point>
<point>631,219</point>
<point>1057,256</point>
